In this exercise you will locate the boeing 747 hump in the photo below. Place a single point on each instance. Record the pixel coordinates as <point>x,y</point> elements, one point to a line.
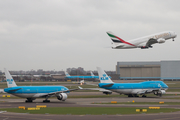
<point>143,42</point>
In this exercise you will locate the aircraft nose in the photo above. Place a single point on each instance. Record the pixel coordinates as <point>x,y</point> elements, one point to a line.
<point>166,86</point>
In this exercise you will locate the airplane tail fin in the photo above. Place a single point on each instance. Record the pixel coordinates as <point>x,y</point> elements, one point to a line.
<point>103,77</point>
<point>115,38</point>
<point>9,79</point>
<point>92,73</point>
<point>66,73</point>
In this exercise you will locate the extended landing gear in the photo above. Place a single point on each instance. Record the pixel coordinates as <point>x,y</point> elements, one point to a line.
<point>172,39</point>
<point>29,100</point>
<point>107,93</point>
<point>144,47</point>
<point>46,101</point>
<point>133,95</point>
<point>144,96</point>
<point>151,46</point>
<point>160,95</point>
<point>136,95</point>
<point>130,95</point>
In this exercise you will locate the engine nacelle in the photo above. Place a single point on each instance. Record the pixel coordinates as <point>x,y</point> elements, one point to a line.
<point>62,96</point>
<point>161,40</point>
<point>163,91</point>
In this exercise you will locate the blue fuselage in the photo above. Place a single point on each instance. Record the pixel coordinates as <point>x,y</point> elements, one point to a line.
<point>33,91</point>
<point>83,77</point>
<point>128,88</point>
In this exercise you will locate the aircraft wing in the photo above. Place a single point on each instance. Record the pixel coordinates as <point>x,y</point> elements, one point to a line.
<point>91,84</point>
<point>151,41</point>
<point>54,93</point>
<point>65,91</point>
<point>16,89</point>
<point>148,91</point>
<point>108,85</point>
<point>100,89</point>
<point>118,46</point>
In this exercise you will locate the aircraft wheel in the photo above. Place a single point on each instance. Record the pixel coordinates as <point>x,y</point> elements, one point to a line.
<point>144,96</point>
<point>136,95</point>
<point>46,101</point>
<point>28,101</point>
<point>130,95</point>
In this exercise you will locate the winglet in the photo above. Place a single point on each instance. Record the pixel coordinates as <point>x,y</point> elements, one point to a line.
<point>9,79</point>
<point>103,77</point>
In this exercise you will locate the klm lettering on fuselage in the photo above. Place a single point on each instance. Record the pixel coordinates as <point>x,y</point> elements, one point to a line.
<point>104,77</point>
<point>10,81</point>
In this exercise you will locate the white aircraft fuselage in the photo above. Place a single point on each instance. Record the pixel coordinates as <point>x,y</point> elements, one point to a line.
<point>142,42</point>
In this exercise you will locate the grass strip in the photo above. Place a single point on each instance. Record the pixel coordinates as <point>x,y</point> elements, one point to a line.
<point>143,103</point>
<point>89,110</point>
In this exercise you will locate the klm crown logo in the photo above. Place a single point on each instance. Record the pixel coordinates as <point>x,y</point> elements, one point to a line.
<point>159,85</point>
<point>104,77</point>
<point>10,81</point>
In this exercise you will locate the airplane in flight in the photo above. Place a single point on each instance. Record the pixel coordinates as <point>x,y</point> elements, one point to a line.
<point>131,89</point>
<point>33,92</point>
<point>142,42</point>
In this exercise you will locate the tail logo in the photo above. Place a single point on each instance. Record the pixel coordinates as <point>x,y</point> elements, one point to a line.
<point>10,81</point>
<point>104,77</point>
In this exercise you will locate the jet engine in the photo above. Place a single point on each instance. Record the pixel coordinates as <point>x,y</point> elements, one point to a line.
<point>161,40</point>
<point>163,91</point>
<point>62,96</point>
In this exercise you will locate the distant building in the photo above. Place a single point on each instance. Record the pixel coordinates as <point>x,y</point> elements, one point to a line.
<point>149,70</point>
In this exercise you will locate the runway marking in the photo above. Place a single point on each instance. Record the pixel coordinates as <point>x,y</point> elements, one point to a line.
<point>168,118</point>
<point>25,118</point>
<point>5,118</point>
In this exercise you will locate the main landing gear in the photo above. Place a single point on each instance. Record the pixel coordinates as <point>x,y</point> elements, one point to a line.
<point>144,96</point>
<point>46,100</point>
<point>133,95</point>
<point>29,100</point>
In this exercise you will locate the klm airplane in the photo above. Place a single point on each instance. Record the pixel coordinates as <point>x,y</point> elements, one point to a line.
<point>131,89</point>
<point>33,92</point>
<point>83,77</point>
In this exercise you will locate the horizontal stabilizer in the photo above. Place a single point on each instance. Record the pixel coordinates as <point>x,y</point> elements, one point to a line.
<point>15,89</point>
<point>108,85</point>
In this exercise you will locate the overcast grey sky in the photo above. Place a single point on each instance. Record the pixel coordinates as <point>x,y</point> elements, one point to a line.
<point>58,34</point>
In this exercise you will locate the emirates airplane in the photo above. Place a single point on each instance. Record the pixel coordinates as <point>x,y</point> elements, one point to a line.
<point>143,42</point>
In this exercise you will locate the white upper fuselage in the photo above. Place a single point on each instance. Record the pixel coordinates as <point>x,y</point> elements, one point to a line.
<point>141,42</point>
